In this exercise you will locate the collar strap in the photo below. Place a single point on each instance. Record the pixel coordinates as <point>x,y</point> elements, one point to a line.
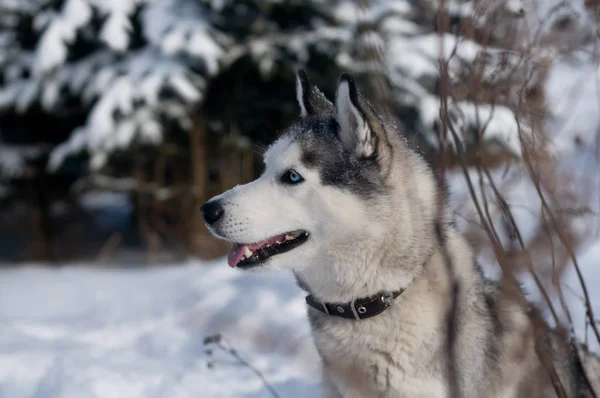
<point>358,309</point>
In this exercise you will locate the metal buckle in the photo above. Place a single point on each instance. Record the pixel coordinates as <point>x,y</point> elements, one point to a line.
<point>387,298</point>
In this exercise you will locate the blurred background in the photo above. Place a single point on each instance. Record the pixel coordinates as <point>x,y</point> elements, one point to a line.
<point>120,118</point>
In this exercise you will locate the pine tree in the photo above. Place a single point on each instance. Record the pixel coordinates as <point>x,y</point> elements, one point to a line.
<point>97,80</point>
<point>126,66</point>
<point>88,77</point>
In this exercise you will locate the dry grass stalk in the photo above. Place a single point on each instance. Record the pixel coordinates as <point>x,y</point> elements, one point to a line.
<point>520,87</point>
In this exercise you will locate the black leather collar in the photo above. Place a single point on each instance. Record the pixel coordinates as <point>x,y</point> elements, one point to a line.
<point>358,309</point>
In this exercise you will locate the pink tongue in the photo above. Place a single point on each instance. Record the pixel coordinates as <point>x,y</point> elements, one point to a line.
<point>237,252</point>
<point>235,255</point>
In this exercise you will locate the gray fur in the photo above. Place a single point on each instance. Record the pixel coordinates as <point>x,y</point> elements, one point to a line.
<point>369,204</point>
<point>323,151</point>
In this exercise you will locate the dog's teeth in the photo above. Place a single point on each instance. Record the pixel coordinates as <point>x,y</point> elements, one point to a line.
<point>248,253</point>
<point>288,237</point>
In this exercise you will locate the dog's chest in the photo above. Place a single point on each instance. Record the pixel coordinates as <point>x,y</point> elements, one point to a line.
<point>371,358</point>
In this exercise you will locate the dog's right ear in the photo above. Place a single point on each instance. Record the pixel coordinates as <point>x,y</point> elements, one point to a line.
<point>310,99</point>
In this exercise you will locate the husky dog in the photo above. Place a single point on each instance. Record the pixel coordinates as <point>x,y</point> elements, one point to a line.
<point>347,205</point>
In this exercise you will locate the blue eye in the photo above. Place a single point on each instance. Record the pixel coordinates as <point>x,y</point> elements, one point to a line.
<point>291,177</point>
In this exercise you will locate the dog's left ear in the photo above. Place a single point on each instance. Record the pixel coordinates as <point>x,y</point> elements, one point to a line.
<point>353,117</point>
<point>361,129</point>
<point>310,99</point>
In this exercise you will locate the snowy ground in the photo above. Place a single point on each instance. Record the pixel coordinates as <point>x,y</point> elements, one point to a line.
<point>88,332</point>
<point>83,332</point>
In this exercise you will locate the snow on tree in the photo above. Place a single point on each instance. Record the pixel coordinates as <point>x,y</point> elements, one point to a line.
<point>129,64</point>
<point>13,160</point>
<point>135,65</point>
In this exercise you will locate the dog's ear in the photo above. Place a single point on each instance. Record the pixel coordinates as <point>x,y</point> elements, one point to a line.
<point>310,99</point>
<point>361,129</point>
<point>352,113</point>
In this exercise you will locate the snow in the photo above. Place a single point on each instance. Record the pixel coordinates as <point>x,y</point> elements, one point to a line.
<point>119,87</point>
<point>14,5</point>
<point>573,128</point>
<point>80,76</point>
<point>542,12</point>
<point>351,12</point>
<point>85,332</point>
<point>116,30</point>
<point>62,29</point>
<point>28,93</point>
<point>74,144</point>
<point>81,331</point>
<point>346,12</point>
<point>399,27</point>
<point>178,26</point>
<point>98,201</point>
<point>418,56</point>
<point>13,159</point>
<point>11,163</point>
<point>499,121</point>
<point>574,90</point>
<point>50,95</point>
<point>143,75</point>
<point>52,48</point>
<point>184,88</point>
<point>515,6</point>
<point>574,291</point>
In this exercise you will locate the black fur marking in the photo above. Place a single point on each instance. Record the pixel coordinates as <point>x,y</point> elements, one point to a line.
<point>440,233</point>
<point>489,291</point>
<point>346,77</point>
<point>580,384</point>
<point>311,99</point>
<point>337,166</point>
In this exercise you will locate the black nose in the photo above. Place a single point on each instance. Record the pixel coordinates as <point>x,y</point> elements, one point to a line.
<point>212,211</point>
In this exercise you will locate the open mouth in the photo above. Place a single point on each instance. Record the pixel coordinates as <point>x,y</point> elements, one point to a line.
<point>253,254</point>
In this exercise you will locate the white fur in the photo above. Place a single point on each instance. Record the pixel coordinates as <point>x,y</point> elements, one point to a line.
<point>300,97</point>
<point>265,207</point>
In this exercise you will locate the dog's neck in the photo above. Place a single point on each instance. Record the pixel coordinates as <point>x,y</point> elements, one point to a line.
<point>386,259</point>
<point>342,282</point>
<point>347,274</point>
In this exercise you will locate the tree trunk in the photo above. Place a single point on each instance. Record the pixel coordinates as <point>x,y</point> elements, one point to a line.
<point>156,214</point>
<point>42,239</point>
<point>198,234</point>
<point>231,173</point>
<point>247,166</point>
<point>141,206</point>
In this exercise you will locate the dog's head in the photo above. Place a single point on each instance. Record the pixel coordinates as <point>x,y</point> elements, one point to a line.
<point>336,178</point>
